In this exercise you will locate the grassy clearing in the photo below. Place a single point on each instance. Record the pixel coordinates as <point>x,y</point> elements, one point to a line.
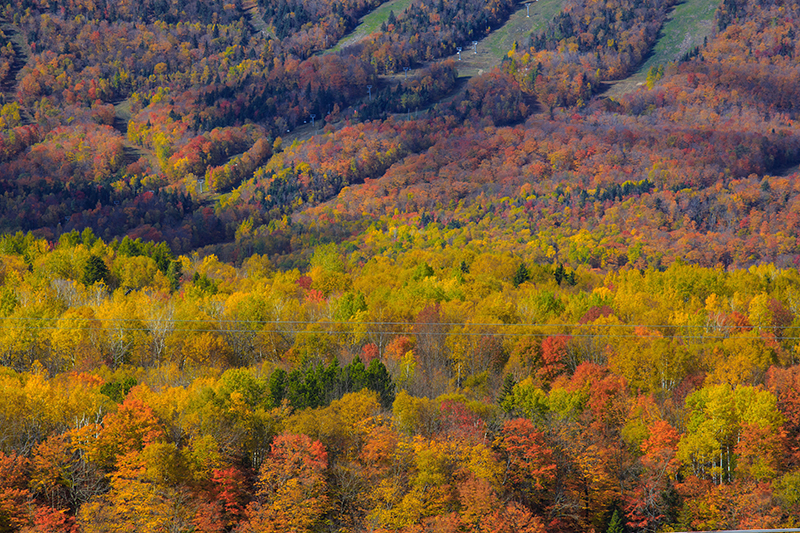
<point>520,26</point>
<point>492,48</point>
<point>371,23</point>
<point>690,23</point>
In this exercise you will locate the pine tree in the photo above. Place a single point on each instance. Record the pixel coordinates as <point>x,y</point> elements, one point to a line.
<point>507,389</point>
<point>615,525</point>
<point>521,275</point>
<point>559,274</point>
<point>95,270</point>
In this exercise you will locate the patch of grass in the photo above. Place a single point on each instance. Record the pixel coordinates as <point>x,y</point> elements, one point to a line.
<point>687,26</point>
<point>519,26</point>
<point>689,23</point>
<point>371,22</point>
<point>494,47</point>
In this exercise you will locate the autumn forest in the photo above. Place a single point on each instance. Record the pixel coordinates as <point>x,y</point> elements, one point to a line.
<point>302,266</point>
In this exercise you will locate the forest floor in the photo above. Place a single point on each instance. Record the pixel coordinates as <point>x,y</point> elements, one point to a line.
<point>22,54</point>
<point>686,28</point>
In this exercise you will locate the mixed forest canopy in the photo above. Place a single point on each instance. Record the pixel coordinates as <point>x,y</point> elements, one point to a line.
<point>254,281</point>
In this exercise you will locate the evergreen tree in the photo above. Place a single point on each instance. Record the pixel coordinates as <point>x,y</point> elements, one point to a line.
<point>95,270</point>
<point>615,525</point>
<point>559,274</point>
<point>521,275</point>
<point>379,380</point>
<point>174,275</point>
<point>507,389</point>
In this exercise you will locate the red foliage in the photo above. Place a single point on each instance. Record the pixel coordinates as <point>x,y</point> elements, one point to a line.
<point>49,520</point>
<point>530,467</point>
<point>458,422</point>
<point>224,504</point>
<point>369,352</point>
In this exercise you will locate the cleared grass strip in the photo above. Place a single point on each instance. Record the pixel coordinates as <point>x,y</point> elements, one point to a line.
<point>371,23</point>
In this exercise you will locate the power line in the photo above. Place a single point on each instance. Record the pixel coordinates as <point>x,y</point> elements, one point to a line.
<point>412,324</point>
<point>352,328</point>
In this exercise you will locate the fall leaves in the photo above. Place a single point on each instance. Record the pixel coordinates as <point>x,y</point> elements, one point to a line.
<point>212,454</point>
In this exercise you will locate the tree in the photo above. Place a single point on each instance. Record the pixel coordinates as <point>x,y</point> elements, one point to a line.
<point>719,416</point>
<point>521,275</point>
<point>95,270</point>
<point>648,504</point>
<point>506,391</point>
<point>49,520</point>
<point>379,380</point>
<point>615,525</point>
<point>223,506</point>
<point>142,495</point>
<point>291,488</point>
<point>14,495</point>
<point>132,427</point>
<point>529,464</point>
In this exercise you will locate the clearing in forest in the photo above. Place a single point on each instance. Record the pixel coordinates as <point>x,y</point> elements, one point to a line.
<point>492,48</point>
<point>689,24</point>
<point>528,18</point>
<point>131,152</point>
<point>256,20</point>
<point>520,26</point>
<point>22,54</point>
<point>371,22</point>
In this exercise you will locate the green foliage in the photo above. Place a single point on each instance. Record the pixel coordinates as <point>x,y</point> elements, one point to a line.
<point>531,402</point>
<point>350,305</point>
<point>203,285</point>
<point>506,390</point>
<point>173,274</point>
<point>567,404</point>
<point>422,271</point>
<point>521,275</point>
<point>95,270</point>
<point>328,258</point>
<point>615,525</point>
<point>379,380</point>
<point>318,385</point>
<point>118,390</point>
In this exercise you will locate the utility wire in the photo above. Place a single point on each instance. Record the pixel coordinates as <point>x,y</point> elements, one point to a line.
<point>410,328</point>
<point>412,324</point>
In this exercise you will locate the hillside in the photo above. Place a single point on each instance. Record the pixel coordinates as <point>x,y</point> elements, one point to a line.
<point>371,23</point>
<point>291,265</point>
<point>687,27</point>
